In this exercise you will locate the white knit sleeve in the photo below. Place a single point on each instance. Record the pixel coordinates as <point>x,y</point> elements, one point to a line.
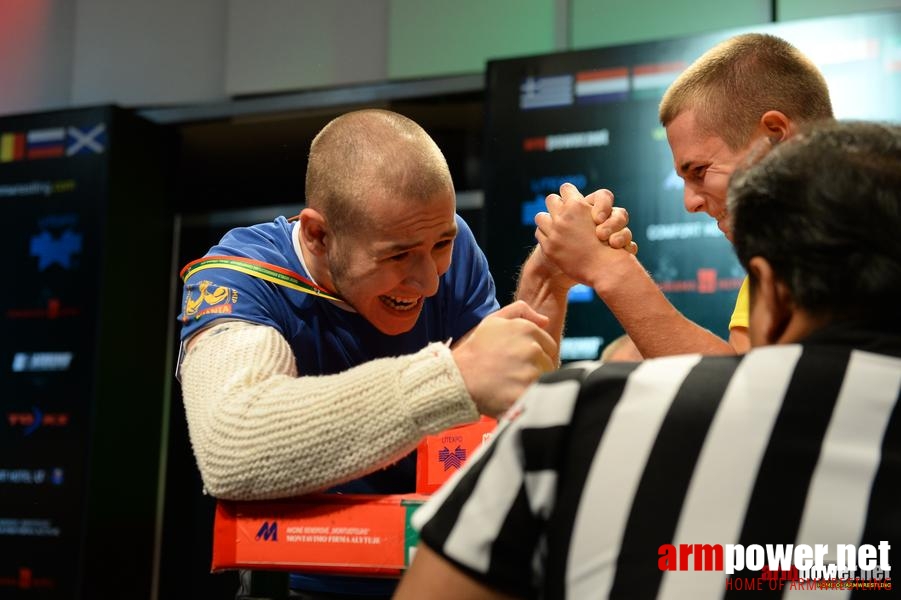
<point>259,432</point>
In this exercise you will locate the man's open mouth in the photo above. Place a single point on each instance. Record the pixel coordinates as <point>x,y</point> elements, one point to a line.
<point>400,303</point>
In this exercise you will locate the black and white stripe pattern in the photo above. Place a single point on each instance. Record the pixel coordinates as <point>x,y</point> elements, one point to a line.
<point>787,445</point>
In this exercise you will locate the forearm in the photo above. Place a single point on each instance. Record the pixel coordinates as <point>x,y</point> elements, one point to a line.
<point>653,323</point>
<point>545,290</point>
<point>434,577</point>
<point>258,431</point>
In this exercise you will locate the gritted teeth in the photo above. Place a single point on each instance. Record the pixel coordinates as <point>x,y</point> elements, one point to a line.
<point>400,303</point>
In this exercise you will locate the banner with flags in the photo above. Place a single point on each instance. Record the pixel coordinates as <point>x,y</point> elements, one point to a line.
<point>52,142</point>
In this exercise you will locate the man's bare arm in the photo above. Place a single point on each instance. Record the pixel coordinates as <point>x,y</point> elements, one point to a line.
<point>739,339</point>
<point>656,327</point>
<point>545,286</point>
<point>431,576</point>
<point>567,234</point>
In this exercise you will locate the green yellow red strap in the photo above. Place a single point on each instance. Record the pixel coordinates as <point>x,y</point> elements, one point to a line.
<point>259,269</point>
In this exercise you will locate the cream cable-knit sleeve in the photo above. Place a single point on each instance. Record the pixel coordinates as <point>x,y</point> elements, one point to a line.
<point>259,431</point>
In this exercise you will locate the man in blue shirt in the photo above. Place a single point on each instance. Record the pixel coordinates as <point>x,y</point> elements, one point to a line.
<point>318,351</point>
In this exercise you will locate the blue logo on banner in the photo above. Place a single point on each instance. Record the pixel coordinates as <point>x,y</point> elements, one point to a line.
<point>452,459</point>
<point>530,209</point>
<point>541,187</point>
<point>268,531</point>
<point>51,250</point>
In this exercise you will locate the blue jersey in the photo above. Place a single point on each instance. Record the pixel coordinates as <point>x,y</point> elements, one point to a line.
<point>327,339</point>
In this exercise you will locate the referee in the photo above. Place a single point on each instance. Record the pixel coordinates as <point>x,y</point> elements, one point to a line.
<point>599,469</point>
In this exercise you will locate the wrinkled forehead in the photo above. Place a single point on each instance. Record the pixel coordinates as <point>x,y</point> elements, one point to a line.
<point>387,216</point>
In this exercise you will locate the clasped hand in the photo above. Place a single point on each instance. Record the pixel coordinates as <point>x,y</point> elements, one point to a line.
<point>504,355</point>
<point>579,232</point>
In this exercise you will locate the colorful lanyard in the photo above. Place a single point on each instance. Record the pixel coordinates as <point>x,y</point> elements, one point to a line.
<point>256,268</point>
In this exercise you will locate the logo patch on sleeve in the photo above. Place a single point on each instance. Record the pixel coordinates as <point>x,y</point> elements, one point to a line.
<point>205,298</point>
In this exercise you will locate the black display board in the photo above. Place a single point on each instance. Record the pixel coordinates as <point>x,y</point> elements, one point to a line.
<point>84,311</point>
<point>590,117</point>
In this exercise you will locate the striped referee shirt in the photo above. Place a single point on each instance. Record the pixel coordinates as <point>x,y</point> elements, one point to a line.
<point>597,467</point>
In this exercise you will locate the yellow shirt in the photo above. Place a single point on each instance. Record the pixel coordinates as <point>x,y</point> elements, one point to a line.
<point>741,315</point>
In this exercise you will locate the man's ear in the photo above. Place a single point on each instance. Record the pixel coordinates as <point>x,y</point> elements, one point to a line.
<point>775,126</point>
<point>773,307</point>
<point>314,231</point>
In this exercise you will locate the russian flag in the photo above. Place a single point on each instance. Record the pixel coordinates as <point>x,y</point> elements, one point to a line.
<point>46,143</point>
<point>650,79</point>
<point>602,85</point>
<point>12,147</point>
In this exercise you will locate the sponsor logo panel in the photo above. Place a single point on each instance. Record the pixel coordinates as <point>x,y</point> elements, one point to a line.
<point>206,297</point>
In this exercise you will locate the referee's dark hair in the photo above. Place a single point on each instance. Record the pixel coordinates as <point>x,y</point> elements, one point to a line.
<point>824,209</point>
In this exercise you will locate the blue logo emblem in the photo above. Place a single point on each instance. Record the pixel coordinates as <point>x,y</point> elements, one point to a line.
<point>51,250</point>
<point>268,532</point>
<point>452,459</point>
